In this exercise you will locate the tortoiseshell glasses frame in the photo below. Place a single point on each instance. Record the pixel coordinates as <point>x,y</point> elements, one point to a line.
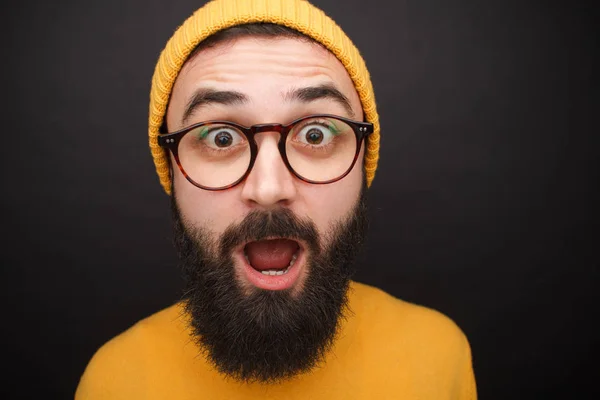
<point>171,142</point>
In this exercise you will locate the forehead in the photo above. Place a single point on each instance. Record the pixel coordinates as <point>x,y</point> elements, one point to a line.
<point>271,48</point>
<point>263,69</point>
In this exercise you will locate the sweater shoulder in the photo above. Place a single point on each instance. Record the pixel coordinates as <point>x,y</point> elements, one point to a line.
<point>413,343</point>
<point>399,320</point>
<point>116,364</point>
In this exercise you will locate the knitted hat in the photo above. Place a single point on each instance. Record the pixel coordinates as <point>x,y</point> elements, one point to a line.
<point>217,15</point>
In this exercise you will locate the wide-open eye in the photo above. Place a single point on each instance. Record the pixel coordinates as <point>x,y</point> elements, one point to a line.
<point>320,148</point>
<point>220,137</point>
<point>316,133</point>
<point>214,155</point>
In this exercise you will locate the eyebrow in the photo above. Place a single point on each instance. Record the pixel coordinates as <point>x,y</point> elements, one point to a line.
<point>204,97</point>
<point>325,91</point>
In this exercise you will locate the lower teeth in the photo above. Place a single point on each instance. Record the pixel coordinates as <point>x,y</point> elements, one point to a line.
<point>275,271</point>
<point>280,271</point>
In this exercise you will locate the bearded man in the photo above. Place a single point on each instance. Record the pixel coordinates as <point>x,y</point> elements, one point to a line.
<point>264,131</point>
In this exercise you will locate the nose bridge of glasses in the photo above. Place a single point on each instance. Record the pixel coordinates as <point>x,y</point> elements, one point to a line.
<point>268,146</point>
<point>260,128</point>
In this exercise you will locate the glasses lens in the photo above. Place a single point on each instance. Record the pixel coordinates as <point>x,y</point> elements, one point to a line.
<point>321,149</point>
<point>214,155</point>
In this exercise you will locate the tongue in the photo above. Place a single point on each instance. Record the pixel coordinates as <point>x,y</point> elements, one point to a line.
<point>271,254</point>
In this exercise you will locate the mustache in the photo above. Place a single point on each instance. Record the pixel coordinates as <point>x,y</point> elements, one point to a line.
<point>262,224</point>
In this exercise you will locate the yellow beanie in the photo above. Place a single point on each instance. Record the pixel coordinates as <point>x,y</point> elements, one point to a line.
<point>217,15</point>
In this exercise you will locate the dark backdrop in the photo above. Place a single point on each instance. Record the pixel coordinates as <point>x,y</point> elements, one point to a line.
<point>482,207</point>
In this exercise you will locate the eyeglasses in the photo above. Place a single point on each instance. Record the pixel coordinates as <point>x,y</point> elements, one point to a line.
<point>217,155</point>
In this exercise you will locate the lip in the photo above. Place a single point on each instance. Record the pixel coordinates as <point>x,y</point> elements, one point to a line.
<point>271,282</point>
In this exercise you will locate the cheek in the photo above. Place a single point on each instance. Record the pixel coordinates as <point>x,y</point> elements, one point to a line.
<point>214,211</point>
<point>327,204</point>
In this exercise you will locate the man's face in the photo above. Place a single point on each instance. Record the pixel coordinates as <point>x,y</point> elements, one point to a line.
<point>216,228</point>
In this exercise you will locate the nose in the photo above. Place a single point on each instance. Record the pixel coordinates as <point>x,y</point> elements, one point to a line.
<point>269,183</point>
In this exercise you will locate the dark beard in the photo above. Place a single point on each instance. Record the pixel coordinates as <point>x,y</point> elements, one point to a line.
<point>262,335</point>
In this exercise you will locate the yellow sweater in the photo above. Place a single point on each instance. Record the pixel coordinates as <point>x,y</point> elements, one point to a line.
<point>387,349</point>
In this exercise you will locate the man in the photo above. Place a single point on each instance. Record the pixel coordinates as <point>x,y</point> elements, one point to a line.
<point>264,131</point>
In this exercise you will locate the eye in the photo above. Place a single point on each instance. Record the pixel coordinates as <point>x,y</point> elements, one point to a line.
<point>221,137</point>
<point>316,133</point>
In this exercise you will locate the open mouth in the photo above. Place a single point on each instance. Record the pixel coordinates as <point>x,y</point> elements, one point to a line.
<point>273,263</point>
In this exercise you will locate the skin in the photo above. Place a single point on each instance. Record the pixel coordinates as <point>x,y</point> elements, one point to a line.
<point>264,70</point>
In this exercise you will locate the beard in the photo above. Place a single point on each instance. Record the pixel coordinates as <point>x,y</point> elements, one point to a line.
<point>258,335</point>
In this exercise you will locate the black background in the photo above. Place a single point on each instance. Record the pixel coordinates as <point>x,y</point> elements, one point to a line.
<point>482,206</point>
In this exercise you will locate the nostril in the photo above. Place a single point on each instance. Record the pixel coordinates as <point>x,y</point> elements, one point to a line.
<point>269,185</point>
